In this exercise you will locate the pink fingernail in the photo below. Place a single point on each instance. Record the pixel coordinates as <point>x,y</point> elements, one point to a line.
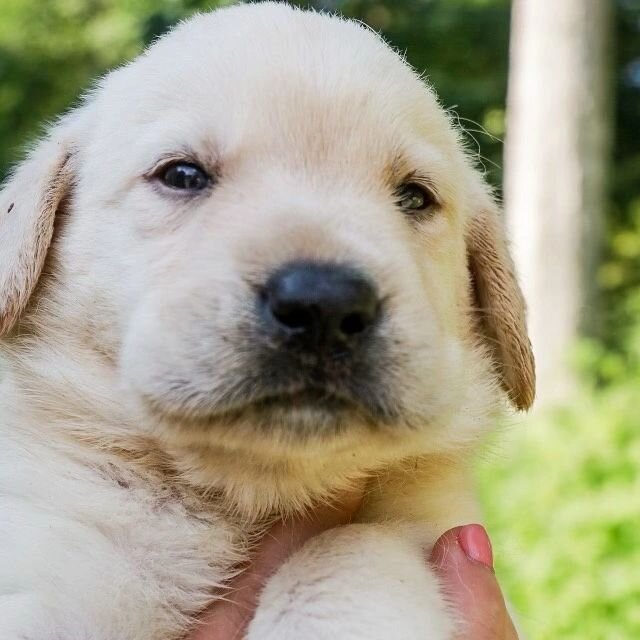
<point>476,544</point>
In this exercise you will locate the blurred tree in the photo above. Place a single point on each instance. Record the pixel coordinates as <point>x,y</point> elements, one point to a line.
<point>619,274</point>
<point>557,160</point>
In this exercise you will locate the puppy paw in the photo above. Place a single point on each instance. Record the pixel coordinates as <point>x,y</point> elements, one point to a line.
<point>359,582</point>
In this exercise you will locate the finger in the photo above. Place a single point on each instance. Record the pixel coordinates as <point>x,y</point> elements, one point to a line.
<point>463,559</point>
<point>228,619</point>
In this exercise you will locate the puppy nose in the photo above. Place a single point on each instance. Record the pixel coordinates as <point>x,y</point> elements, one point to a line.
<point>321,304</point>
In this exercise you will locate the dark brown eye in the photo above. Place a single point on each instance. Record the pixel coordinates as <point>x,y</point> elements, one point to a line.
<point>414,197</point>
<point>185,176</point>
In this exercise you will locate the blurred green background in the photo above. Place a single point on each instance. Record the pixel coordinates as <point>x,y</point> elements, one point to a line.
<point>561,489</point>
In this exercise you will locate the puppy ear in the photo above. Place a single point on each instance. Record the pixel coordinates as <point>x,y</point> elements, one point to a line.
<point>499,306</point>
<point>28,204</point>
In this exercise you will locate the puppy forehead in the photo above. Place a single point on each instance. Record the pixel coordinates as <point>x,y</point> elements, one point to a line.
<point>273,80</point>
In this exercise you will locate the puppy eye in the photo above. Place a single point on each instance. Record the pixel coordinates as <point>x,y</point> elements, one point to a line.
<point>185,176</point>
<point>414,197</point>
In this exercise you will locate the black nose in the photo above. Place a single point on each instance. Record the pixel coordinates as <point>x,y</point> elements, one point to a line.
<point>321,304</point>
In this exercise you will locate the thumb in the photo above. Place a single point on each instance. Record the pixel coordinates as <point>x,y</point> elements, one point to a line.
<point>463,559</point>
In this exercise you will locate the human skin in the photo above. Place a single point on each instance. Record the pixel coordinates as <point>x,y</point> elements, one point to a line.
<point>462,557</point>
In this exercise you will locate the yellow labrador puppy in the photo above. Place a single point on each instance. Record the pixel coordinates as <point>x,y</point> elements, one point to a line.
<point>254,268</point>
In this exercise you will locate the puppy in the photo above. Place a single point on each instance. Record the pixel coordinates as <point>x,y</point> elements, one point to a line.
<point>254,268</point>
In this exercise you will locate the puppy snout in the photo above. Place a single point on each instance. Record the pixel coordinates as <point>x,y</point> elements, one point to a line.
<point>320,305</point>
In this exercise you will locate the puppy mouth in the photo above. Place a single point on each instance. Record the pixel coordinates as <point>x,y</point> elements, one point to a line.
<point>284,388</point>
<point>307,398</point>
<point>268,409</point>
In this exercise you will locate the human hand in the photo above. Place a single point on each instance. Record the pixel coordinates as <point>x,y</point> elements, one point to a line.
<point>462,558</point>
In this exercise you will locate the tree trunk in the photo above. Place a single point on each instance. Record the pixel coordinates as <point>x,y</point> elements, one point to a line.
<point>556,159</point>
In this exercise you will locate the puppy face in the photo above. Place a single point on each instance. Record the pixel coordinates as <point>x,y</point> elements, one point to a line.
<point>274,237</point>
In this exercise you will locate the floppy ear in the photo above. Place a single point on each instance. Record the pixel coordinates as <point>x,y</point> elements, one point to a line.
<point>28,204</point>
<point>499,306</point>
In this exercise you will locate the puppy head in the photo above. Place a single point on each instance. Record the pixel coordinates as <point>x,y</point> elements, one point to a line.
<point>273,233</point>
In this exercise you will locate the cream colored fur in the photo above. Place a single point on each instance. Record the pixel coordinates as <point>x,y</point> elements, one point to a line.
<point>126,500</point>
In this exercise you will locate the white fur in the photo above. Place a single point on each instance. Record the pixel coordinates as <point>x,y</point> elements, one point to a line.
<point>354,583</point>
<point>121,516</point>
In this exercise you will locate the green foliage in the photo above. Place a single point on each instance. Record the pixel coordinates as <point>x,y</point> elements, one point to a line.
<point>620,271</point>
<point>563,504</point>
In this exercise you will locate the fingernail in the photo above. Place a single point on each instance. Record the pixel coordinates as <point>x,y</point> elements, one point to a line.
<point>476,544</point>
